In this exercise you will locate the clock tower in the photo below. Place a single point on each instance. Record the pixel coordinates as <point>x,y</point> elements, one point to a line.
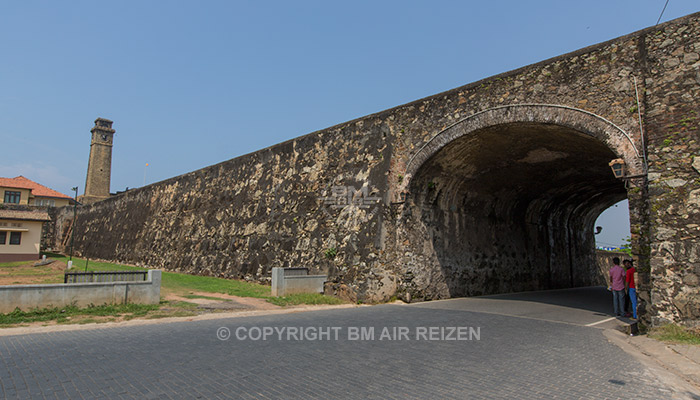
<point>100,163</point>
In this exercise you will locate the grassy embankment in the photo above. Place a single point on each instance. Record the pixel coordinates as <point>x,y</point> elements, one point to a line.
<point>676,334</point>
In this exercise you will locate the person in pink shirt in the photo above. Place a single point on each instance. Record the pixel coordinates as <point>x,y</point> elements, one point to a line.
<point>617,279</point>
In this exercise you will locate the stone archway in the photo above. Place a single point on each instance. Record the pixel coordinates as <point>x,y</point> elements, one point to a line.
<point>580,120</point>
<point>505,200</point>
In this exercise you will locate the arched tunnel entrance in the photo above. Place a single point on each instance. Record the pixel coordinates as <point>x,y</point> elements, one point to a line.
<point>508,202</point>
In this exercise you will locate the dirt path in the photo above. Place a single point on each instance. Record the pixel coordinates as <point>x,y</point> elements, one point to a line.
<point>223,301</point>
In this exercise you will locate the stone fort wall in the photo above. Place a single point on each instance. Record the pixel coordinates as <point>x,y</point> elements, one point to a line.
<point>280,206</point>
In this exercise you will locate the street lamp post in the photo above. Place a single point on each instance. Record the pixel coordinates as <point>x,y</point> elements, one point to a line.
<point>72,234</point>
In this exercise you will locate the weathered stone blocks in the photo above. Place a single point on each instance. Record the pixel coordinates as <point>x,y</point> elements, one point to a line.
<point>461,212</point>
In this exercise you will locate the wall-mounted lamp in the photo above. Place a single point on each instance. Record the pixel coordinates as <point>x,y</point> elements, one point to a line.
<point>402,198</point>
<point>619,169</point>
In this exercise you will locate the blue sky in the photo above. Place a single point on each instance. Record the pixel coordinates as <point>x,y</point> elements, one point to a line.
<point>190,84</point>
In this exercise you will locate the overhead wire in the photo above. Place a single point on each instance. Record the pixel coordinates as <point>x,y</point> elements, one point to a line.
<point>662,13</point>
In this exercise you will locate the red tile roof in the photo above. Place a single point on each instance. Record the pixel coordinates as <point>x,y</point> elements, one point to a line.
<point>37,189</point>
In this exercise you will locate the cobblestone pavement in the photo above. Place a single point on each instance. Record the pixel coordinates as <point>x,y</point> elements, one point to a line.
<point>515,357</point>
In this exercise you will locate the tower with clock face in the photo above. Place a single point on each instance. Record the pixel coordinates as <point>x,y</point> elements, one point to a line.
<point>100,163</point>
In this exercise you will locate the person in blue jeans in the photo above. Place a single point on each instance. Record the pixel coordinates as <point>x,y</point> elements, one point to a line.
<point>631,286</point>
<point>617,284</point>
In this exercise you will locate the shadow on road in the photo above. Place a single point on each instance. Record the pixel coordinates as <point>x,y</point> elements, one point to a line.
<point>590,306</point>
<point>594,298</point>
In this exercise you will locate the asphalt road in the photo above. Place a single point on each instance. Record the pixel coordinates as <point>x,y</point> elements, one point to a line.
<point>533,345</point>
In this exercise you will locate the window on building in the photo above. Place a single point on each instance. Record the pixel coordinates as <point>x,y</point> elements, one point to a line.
<point>45,202</point>
<point>15,237</point>
<point>12,197</point>
<point>3,237</point>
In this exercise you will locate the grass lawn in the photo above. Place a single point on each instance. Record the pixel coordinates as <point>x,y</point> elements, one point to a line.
<point>177,284</point>
<point>676,334</point>
<point>17,273</point>
<point>63,315</point>
<point>12,264</point>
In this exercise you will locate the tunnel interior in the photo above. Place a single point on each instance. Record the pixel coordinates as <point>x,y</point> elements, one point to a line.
<point>512,207</point>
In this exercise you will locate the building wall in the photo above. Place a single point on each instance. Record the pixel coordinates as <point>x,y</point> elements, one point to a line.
<point>28,249</point>
<point>52,201</point>
<point>24,194</point>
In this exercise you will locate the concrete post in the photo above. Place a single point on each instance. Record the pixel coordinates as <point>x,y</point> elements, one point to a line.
<point>277,281</point>
<point>155,276</point>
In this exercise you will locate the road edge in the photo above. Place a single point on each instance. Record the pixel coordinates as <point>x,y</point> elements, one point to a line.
<point>136,322</point>
<point>661,361</point>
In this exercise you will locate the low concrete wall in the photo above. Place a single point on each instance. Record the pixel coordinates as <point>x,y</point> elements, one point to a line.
<point>27,297</point>
<point>294,280</point>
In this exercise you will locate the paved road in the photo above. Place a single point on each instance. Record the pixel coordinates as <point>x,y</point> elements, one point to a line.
<point>522,351</point>
<point>590,306</point>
